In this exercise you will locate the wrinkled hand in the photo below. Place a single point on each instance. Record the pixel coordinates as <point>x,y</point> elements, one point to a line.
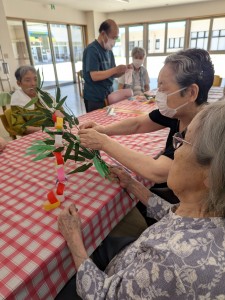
<point>2,144</point>
<point>69,223</point>
<point>89,124</point>
<point>119,174</point>
<point>92,139</point>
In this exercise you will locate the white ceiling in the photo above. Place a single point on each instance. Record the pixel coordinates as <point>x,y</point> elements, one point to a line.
<point>107,6</point>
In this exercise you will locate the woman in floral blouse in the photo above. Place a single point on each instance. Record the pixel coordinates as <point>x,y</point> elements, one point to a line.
<point>182,256</point>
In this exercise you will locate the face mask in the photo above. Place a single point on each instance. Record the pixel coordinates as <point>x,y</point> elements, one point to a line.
<point>137,63</point>
<point>109,44</point>
<point>161,101</point>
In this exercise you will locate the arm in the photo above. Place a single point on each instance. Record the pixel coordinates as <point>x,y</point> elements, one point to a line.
<point>101,75</point>
<point>18,121</point>
<point>147,87</point>
<point>70,226</point>
<point>130,184</point>
<point>95,284</point>
<point>155,170</point>
<point>134,125</point>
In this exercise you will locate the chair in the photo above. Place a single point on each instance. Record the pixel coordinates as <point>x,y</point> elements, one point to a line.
<point>118,95</point>
<point>5,99</point>
<point>7,123</point>
<point>217,80</point>
<point>80,83</point>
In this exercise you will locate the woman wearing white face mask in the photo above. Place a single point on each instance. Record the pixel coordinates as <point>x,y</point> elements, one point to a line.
<point>184,83</point>
<point>139,81</point>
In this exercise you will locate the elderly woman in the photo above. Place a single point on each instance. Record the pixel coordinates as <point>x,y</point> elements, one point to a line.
<point>27,80</point>
<point>183,85</point>
<point>139,82</point>
<point>183,255</point>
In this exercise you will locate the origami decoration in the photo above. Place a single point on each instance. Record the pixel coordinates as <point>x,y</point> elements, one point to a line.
<point>61,144</point>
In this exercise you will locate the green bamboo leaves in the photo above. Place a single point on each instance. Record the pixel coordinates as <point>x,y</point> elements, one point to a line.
<point>71,148</point>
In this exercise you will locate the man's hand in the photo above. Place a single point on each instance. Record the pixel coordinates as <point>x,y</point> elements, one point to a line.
<point>120,70</point>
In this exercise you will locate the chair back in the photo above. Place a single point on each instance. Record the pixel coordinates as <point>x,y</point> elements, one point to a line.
<point>119,95</point>
<point>7,122</point>
<point>80,81</point>
<point>5,99</point>
<point>217,80</point>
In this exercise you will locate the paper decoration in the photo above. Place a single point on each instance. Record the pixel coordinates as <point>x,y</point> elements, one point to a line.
<point>61,144</point>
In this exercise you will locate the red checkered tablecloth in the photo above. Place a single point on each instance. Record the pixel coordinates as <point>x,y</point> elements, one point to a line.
<point>35,262</point>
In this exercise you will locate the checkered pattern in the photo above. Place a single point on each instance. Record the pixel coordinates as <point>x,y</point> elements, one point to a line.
<point>35,262</point>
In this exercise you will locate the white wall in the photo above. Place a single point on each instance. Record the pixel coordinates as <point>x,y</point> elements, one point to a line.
<point>170,12</point>
<point>38,11</point>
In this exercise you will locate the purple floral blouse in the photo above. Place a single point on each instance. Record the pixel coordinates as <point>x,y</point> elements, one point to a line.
<point>176,258</point>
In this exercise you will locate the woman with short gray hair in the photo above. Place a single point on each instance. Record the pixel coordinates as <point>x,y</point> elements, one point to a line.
<point>182,256</point>
<point>27,80</point>
<point>140,81</point>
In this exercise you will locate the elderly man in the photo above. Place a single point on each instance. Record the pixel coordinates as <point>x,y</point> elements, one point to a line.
<point>99,67</point>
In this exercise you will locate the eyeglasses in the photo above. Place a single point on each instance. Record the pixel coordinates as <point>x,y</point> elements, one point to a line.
<point>178,140</point>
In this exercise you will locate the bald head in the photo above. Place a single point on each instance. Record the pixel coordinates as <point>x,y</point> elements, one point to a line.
<point>109,27</point>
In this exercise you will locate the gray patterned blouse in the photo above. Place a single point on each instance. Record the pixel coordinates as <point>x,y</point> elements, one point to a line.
<point>176,258</point>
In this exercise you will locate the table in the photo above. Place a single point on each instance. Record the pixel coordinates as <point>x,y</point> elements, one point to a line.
<point>35,262</point>
<point>216,93</point>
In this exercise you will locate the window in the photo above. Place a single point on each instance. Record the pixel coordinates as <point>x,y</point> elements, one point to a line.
<point>176,43</point>
<point>199,39</point>
<point>175,36</point>
<point>119,50</point>
<point>157,44</point>
<point>218,34</point>
<point>135,37</point>
<point>156,38</point>
<point>199,34</point>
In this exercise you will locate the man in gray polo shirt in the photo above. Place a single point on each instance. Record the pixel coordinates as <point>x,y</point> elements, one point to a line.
<point>99,68</point>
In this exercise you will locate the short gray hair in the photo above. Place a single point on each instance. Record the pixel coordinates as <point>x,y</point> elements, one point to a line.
<point>193,66</point>
<point>21,72</point>
<point>138,51</point>
<point>209,148</point>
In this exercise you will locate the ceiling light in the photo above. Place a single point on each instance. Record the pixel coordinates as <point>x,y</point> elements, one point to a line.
<point>124,1</point>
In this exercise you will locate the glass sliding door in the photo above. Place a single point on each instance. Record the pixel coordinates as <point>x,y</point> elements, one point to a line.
<point>61,50</point>
<point>18,40</point>
<point>119,50</point>
<point>156,38</point>
<point>41,51</point>
<point>135,38</point>
<point>175,36</point>
<point>218,35</point>
<point>78,45</point>
<point>199,34</point>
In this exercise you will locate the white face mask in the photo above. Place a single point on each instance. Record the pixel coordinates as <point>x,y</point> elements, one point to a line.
<point>161,101</point>
<point>137,63</point>
<point>109,44</point>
